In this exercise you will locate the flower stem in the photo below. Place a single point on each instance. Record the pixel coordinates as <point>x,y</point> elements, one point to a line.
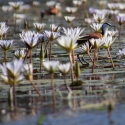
<point>45,50</point>
<point>14,97</point>
<point>15,22</point>
<point>71,63</point>
<point>53,90</point>
<point>111,58</point>
<point>26,55</point>
<point>5,56</point>
<point>30,55</point>
<point>94,61</point>
<point>90,56</point>
<point>73,60</point>
<point>11,101</point>
<point>35,88</point>
<point>119,32</point>
<point>68,88</point>
<point>50,52</point>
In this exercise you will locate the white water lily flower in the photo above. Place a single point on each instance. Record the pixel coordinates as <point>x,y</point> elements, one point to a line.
<point>89,20</point>
<point>51,66</point>
<point>28,71</point>
<point>7,8</point>
<point>3,29</point>
<point>24,8</point>
<point>6,44</point>
<point>100,18</point>
<point>54,28</point>
<point>121,19</point>
<point>39,26</point>
<point>96,27</point>
<point>112,33</point>
<point>31,39</point>
<point>43,37</point>
<point>69,19</point>
<point>77,2</point>
<point>64,68</point>
<point>73,32</point>
<point>113,6</point>
<point>11,72</point>
<point>52,35</point>
<point>67,43</point>
<point>86,47</point>
<point>71,10</point>
<point>16,5</point>
<point>121,53</point>
<point>20,54</point>
<point>108,41</point>
<point>96,43</point>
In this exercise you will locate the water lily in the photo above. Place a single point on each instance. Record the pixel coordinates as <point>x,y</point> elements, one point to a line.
<point>77,2</point>
<point>96,27</point>
<point>121,53</point>
<point>89,20</point>
<point>69,19</point>
<point>112,33</point>
<point>20,54</point>
<point>30,39</point>
<point>16,6</point>
<point>51,67</point>
<point>96,43</point>
<point>100,18</point>
<point>86,49</point>
<point>51,36</point>
<point>7,8</point>
<point>6,45</point>
<point>11,74</point>
<point>121,20</point>
<point>69,44</point>
<point>73,32</point>
<point>71,10</point>
<point>3,29</point>
<point>65,69</point>
<point>54,28</point>
<point>108,41</point>
<point>39,26</point>
<point>28,74</point>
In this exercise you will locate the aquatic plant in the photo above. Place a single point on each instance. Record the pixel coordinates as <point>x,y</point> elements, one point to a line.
<point>65,69</point>
<point>108,41</point>
<point>39,26</point>
<point>51,36</point>
<point>30,39</point>
<point>6,45</point>
<point>12,75</point>
<point>51,67</point>
<point>28,74</point>
<point>120,20</point>
<point>20,54</point>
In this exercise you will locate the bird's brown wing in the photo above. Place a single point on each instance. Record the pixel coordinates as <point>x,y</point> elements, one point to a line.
<point>95,35</point>
<point>88,37</point>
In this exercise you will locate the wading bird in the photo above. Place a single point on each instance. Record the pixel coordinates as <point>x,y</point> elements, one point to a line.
<point>95,35</point>
<point>53,10</point>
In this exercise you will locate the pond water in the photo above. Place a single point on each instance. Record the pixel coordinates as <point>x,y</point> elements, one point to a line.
<point>90,102</point>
